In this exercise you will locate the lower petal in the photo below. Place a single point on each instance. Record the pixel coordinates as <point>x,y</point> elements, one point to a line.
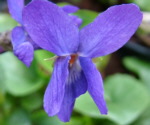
<point>77,79</point>
<point>95,83</point>
<point>75,86</point>
<point>67,105</point>
<point>55,91</point>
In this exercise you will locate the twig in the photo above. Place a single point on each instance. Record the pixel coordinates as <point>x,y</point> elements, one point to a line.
<point>5,41</point>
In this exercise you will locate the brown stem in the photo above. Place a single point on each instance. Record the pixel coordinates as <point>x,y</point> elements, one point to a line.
<point>5,41</point>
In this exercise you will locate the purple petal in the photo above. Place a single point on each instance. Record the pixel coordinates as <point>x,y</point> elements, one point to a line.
<point>67,105</point>
<point>25,53</point>
<point>95,83</point>
<point>54,93</point>
<point>35,46</point>
<point>75,86</point>
<point>18,36</point>
<point>76,20</point>
<point>70,8</point>
<point>110,30</point>
<point>15,9</point>
<point>77,79</point>
<point>51,28</point>
<point>23,49</point>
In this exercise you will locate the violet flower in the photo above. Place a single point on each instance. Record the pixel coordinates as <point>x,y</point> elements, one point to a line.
<point>23,45</point>
<point>74,72</point>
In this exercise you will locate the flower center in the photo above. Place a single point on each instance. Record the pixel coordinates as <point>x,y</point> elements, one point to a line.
<point>73,59</point>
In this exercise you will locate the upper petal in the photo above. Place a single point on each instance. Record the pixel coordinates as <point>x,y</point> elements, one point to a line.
<point>95,83</point>
<point>110,30</point>
<point>15,9</point>
<point>50,27</point>
<point>54,93</point>
<point>70,8</point>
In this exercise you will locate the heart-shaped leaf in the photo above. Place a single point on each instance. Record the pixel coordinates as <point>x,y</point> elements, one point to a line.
<point>17,78</point>
<point>126,98</point>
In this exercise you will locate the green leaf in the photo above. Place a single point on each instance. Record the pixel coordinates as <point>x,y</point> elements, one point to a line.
<point>103,122</point>
<point>32,102</point>
<point>141,68</point>
<point>144,119</point>
<point>79,120</point>
<point>6,22</point>
<point>2,84</point>
<point>61,4</point>
<point>1,119</point>
<point>87,16</point>
<point>2,98</point>
<point>86,106</point>
<point>126,98</point>
<point>17,78</point>
<point>41,118</point>
<point>7,105</point>
<point>18,117</point>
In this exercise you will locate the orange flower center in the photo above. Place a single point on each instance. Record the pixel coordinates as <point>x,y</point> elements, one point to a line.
<point>73,59</point>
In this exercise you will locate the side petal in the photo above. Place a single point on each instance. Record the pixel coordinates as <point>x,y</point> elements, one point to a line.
<point>70,9</point>
<point>54,93</point>
<point>25,53</point>
<point>51,28</point>
<point>15,9</point>
<point>75,86</point>
<point>110,30</point>
<point>95,83</point>
<point>22,48</point>
<point>18,36</point>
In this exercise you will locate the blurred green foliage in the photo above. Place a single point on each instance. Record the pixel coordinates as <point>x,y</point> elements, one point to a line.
<point>22,89</point>
<point>6,22</point>
<point>140,68</point>
<point>87,16</point>
<point>126,98</point>
<point>143,4</point>
<point>17,79</point>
